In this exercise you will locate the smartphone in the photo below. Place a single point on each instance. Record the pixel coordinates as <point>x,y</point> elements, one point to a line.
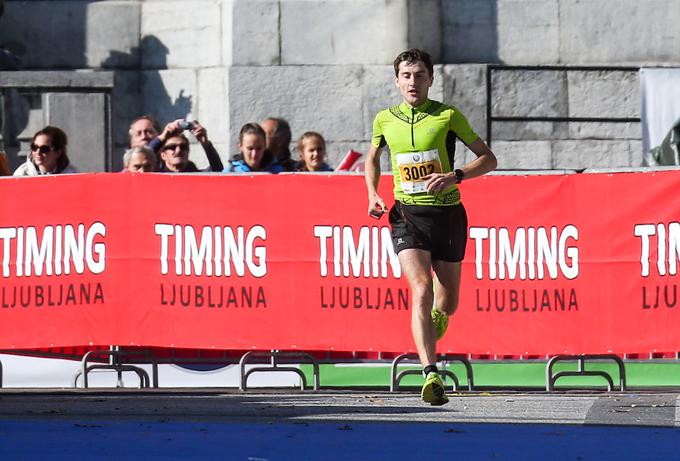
<point>377,214</point>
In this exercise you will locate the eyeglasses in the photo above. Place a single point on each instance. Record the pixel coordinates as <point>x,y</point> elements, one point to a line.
<point>182,146</point>
<point>44,149</point>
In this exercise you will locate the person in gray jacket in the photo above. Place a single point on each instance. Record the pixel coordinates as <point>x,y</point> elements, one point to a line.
<point>48,154</point>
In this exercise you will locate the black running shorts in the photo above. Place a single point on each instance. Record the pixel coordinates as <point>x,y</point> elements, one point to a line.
<point>441,230</point>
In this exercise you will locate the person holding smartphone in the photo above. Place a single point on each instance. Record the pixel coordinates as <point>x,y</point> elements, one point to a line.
<point>429,223</point>
<point>144,132</point>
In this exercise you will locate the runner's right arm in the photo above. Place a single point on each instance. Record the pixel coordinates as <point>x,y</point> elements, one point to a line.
<point>376,205</point>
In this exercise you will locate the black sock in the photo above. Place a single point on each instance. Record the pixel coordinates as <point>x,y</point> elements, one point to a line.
<point>430,369</point>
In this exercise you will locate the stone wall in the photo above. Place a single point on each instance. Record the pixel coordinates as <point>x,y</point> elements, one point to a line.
<point>326,65</point>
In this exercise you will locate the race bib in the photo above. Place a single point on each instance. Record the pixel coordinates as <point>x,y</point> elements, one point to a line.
<point>413,166</point>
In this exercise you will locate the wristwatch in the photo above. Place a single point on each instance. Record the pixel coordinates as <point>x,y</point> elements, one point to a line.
<point>459,174</point>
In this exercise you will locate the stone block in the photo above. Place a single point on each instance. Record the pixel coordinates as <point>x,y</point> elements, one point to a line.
<point>614,94</point>
<point>330,32</point>
<point>528,31</point>
<point>508,31</point>
<point>588,153</point>
<point>469,31</point>
<point>179,34</point>
<point>168,95</point>
<point>464,86</point>
<point>337,32</point>
<point>335,94</point>
<point>528,131</point>
<point>212,106</point>
<point>636,152</point>
<point>523,155</point>
<point>112,34</point>
<point>424,26</point>
<point>250,32</point>
<point>529,93</point>
<point>73,34</point>
<point>603,130</point>
<point>46,34</point>
<point>83,119</point>
<point>619,31</point>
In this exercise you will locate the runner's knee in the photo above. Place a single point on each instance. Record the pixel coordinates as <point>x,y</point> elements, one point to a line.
<point>447,303</point>
<point>422,291</point>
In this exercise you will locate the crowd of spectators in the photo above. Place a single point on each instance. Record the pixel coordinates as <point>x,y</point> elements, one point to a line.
<point>262,147</point>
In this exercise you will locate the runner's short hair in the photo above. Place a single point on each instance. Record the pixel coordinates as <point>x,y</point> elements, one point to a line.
<point>412,56</point>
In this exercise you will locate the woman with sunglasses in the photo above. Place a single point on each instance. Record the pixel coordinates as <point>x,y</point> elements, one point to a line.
<point>48,154</point>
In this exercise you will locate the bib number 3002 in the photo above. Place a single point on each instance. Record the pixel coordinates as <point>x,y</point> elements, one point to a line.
<point>413,166</point>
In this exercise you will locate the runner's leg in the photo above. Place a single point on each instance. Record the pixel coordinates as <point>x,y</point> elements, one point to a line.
<point>416,265</point>
<point>446,285</point>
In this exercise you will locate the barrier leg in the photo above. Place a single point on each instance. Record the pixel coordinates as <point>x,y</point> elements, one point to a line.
<point>552,377</point>
<point>396,377</point>
<point>274,357</point>
<point>113,365</point>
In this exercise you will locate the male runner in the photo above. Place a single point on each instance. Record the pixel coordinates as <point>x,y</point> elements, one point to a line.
<point>429,224</point>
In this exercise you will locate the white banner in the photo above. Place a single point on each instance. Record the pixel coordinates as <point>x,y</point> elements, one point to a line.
<point>660,93</point>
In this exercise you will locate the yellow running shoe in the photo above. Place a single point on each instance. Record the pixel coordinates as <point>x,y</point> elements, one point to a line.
<point>440,321</point>
<point>433,390</point>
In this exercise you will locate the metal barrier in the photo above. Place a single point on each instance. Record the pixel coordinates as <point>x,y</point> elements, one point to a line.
<point>115,365</point>
<point>274,357</point>
<point>396,377</point>
<point>551,377</point>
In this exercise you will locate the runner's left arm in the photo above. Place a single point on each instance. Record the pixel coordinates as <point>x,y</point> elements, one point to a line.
<point>486,161</point>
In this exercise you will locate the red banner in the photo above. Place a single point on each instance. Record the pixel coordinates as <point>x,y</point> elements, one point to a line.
<point>555,264</point>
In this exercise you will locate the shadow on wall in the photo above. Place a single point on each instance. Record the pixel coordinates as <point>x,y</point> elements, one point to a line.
<point>470,31</point>
<point>51,35</point>
<point>145,91</point>
<point>44,36</point>
<point>158,98</point>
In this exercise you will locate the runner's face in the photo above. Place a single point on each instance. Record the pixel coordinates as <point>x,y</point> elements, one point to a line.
<point>414,82</point>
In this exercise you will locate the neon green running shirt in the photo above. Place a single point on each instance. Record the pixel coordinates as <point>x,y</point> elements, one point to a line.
<point>422,140</point>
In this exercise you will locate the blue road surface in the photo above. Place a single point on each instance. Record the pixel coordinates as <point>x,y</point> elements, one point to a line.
<point>106,439</point>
